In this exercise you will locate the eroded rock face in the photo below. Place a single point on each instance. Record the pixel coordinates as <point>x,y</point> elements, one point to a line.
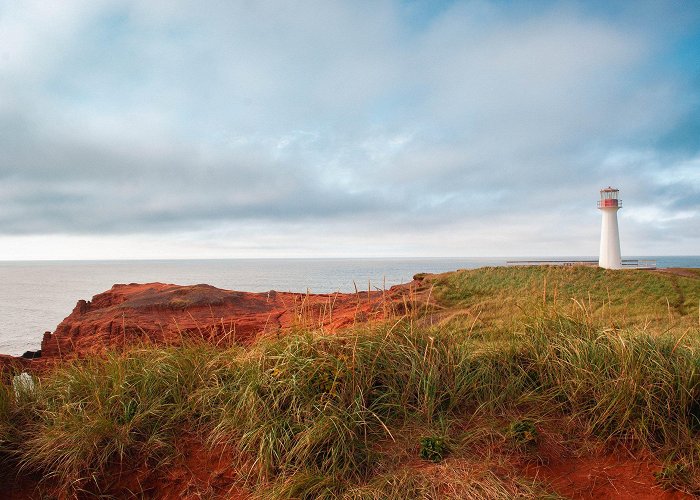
<point>160,313</point>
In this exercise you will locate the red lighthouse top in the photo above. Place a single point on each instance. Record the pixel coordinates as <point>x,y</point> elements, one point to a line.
<point>609,199</point>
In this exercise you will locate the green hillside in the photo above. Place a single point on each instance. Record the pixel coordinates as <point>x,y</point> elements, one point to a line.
<point>629,298</point>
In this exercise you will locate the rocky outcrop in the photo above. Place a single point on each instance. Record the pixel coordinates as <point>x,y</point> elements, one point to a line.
<point>163,313</point>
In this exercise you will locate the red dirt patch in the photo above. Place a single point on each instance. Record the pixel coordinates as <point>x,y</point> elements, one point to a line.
<point>617,475</point>
<point>13,487</point>
<point>197,472</point>
<point>202,472</point>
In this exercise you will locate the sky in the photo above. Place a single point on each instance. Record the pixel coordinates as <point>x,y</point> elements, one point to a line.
<point>358,128</point>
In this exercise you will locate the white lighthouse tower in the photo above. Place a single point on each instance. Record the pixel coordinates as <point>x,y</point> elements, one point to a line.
<point>609,204</point>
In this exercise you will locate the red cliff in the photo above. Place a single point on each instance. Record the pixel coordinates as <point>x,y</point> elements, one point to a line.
<point>161,313</point>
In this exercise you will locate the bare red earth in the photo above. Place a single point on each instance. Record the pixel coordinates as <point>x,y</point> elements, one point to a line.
<point>197,472</point>
<point>613,474</point>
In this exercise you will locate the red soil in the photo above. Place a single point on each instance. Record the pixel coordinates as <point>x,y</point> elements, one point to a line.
<point>197,472</point>
<point>610,476</point>
<point>618,474</point>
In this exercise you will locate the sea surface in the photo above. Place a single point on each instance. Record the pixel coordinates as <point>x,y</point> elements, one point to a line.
<point>36,296</point>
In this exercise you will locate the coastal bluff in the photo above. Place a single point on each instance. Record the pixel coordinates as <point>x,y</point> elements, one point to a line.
<point>168,314</point>
<point>128,406</point>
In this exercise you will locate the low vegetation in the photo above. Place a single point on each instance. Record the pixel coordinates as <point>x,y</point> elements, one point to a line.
<point>441,404</point>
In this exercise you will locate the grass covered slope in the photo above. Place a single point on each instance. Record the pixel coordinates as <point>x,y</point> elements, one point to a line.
<point>501,380</point>
<point>508,296</point>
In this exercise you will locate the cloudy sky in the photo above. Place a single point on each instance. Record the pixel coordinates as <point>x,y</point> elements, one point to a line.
<point>185,129</point>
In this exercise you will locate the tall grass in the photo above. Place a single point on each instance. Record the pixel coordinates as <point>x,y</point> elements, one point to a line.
<point>5,420</point>
<point>307,413</point>
<point>621,384</point>
<point>93,413</point>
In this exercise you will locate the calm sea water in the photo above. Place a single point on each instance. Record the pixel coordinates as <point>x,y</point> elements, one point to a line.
<point>36,296</point>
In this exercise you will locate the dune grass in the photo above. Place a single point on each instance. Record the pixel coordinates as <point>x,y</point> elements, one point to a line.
<point>311,415</point>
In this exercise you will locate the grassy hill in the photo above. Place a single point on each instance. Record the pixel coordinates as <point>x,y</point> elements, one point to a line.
<point>500,382</point>
<point>629,298</point>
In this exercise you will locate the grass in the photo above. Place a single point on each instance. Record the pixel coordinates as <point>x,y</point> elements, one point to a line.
<point>504,297</point>
<point>372,412</point>
<point>433,448</point>
<point>95,412</point>
<point>523,433</point>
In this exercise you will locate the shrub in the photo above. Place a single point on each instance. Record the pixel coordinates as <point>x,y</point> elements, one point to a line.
<point>433,448</point>
<point>523,433</point>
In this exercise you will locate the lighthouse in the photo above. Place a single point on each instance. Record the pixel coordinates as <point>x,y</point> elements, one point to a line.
<point>609,204</point>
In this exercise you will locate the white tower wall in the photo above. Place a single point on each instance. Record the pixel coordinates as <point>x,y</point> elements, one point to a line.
<point>610,257</point>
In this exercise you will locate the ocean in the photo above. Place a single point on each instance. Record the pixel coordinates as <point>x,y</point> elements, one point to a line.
<point>36,296</point>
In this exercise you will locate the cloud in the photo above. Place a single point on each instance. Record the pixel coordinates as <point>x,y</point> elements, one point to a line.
<point>130,120</point>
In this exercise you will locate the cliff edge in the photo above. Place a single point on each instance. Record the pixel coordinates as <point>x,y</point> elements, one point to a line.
<point>166,313</point>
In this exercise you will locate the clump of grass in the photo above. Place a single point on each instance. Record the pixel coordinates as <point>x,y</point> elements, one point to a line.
<point>452,480</point>
<point>623,385</point>
<point>433,448</point>
<point>673,476</point>
<point>395,485</point>
<point>523,434</point>
<point>17,412</point>
<point>290,407</point>
<point>5,419</point>
<point>93,414</point>
<point>306,484</point>
<point>313,404</point>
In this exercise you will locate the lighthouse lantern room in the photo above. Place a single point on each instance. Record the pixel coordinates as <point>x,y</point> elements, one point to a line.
<point>609,204</point>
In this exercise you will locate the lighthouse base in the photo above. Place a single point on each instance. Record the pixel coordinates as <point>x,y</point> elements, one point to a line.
<point>610,257</point>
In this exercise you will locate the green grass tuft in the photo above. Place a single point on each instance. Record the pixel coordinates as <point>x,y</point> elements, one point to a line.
<point>523,433</point>
<point>433,448</point>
